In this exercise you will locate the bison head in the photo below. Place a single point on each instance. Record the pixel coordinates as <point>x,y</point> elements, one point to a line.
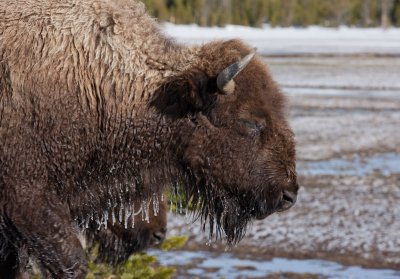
<point>232,141</point>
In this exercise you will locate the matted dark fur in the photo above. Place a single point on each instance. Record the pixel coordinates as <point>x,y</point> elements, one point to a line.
<point>120,239</point>
<point>98,109</point>
<point>114,244</point>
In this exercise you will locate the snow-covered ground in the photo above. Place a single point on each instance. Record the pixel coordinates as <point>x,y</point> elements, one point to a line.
<point>311,40</point>
<point>371,74</point>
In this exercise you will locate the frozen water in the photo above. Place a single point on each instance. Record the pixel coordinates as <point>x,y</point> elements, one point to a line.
<point>128,212</point>
<point>121,208</point>
<point>359,93</point>
<point>229,266</point>
<point>113,215</point>
<point>364,75</point>
<point>156,205</point>
<point>386,164</point>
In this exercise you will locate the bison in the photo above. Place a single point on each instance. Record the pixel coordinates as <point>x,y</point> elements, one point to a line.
<point>98,108</point>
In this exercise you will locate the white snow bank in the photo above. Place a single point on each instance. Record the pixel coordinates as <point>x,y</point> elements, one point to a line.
<point>293,40</point>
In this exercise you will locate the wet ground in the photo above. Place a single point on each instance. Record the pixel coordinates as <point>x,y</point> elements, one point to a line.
<point>345,112</point>
<point>228,265</point>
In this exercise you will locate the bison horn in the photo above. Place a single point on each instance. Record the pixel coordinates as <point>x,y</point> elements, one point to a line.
<point>225,78</point>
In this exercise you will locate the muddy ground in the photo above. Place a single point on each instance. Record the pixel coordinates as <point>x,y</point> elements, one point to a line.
<point>345,112</point>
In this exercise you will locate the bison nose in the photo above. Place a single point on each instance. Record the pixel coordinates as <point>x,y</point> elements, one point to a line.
<point>158,238</point>
<point>287,201</point>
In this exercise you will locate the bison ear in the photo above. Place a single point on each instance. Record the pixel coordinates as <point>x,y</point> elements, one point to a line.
<point>185,94</point>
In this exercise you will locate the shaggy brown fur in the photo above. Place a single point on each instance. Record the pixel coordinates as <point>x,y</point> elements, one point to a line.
<point>120,239</point>
<point>116,243</point>
<point>98,109</point>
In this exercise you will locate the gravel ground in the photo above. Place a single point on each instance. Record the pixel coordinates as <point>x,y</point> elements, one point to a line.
<point>354,219</point>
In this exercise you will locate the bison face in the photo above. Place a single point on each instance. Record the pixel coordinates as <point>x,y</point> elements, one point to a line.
<point>235,144</point>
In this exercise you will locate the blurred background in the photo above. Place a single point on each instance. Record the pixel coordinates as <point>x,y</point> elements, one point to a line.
<point>338,63</point>
<point>365,13</point>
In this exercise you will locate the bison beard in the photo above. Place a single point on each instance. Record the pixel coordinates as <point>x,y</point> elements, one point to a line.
<point>98,109</point>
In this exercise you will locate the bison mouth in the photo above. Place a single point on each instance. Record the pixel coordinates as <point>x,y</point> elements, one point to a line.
<point>284,202</point>
<point>226,214</point>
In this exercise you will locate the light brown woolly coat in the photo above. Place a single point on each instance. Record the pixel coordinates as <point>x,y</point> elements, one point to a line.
<point>98,108</point>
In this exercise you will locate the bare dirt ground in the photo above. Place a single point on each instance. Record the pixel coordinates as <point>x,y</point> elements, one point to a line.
<point>345,112</point>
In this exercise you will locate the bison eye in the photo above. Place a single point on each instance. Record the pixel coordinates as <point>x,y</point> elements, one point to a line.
<point>253,128</point>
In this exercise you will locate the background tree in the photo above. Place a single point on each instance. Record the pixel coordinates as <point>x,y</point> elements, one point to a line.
<point>386,6</point>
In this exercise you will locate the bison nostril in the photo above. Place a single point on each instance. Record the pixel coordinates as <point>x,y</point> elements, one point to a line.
<point>289,197</point>
<point>158,237</point>
<point>287,201</point>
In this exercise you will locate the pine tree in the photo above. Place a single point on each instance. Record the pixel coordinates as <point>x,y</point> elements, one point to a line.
<point>386,5</point>
<point>395,13</point>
